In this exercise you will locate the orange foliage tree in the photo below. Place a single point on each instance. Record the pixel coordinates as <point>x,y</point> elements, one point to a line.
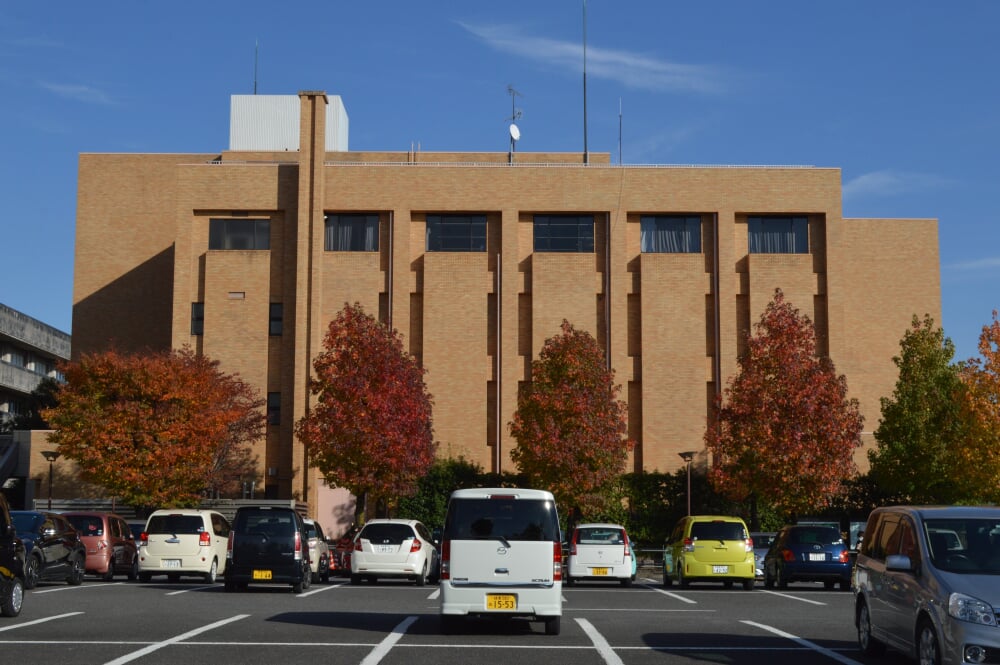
<point>786,431</point>
<point>369,430</point>
<point>977,460</point>
<point>157,430</point>
<point>569,425</point>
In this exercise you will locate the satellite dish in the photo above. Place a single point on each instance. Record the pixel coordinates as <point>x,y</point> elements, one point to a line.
<point>515,133</point>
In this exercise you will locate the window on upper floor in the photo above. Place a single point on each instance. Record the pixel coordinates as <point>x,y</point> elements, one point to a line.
<point>351,233</point>
<point>778,235</point>
<point>456,233</point>
<point>276,319</point>
<point>670,234</point>
<point>564,233</point>
<point>239,234</point>
<point>274,408</point>
<point>197,318</point>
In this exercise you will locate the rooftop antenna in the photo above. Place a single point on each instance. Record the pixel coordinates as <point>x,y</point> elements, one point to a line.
<point>515,115</point>
<point>586,153</point>
<point>256,47</point>
<point>619,131</point>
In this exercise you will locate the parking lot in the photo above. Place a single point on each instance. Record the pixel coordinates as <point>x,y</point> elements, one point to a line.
<point>397,623</point>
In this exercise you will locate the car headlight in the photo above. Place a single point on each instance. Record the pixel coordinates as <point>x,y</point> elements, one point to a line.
<point>973,610</point>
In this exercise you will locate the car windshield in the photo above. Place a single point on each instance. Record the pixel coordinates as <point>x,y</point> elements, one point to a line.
<point>387,534</point>
<point>26,522</point>
<point>970,546</point>
<point>814,535</point>
<point>175,524</point>
<point>87,525</point>
<point>718,531</point>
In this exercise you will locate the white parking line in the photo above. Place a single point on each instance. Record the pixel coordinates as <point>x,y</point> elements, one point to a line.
<point>318,590</point>
<point>37,621</point>
<point>671,595</point>
<point>383,648</point>
<point>788,595</point>
<point>829,653</point>
<point>173,640</point>
<point>80,587</point>
<point>603,648</point>
<point>434,594</point>
<point>193,588</point>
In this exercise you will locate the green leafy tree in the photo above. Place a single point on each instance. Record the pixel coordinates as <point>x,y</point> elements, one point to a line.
<point>922,421</point>
<point>370,428</point>
<point>434,488</point>
<point>786,431</point>
<point>976,462</point>
<point>569,425</point>
<point>162,429</point>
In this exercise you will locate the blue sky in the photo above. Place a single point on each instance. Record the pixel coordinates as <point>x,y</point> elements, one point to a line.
<point>902,95</point>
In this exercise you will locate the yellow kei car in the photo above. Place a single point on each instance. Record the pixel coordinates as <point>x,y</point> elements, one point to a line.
<point>709,548</point>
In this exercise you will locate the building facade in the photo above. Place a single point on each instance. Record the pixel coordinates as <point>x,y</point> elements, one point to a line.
<point>476,259</point>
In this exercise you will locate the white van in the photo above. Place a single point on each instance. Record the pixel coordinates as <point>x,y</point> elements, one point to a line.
<point>501,557</point>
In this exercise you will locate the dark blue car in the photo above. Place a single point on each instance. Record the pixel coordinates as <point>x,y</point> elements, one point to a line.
<point>808,553</point>
<point>53,549</point>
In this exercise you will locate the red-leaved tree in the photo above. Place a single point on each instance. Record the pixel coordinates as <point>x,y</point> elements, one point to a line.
<point>976,463</point>
<point>369,430</point>
<point>786,431</point>
<point>569,425</point>
<point>158,429</point>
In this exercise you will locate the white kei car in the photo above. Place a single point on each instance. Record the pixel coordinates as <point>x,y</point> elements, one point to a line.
<point>394,548</point>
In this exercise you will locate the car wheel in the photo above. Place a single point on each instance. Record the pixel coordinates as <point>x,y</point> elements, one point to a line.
<point>422,576</point>
<point>627,582</point>
<point>145,577</point>
<point>76,572</point>
<point>324,576</point>
<point>727,584</point>
<point>681,580</point>
<point>31,567</point>
<point>553,625</point>
<point>928,652</point>
<point>869,645</point>
<point>133,572</point>
<point>110,575</point>
<point>355,579</point>
<point>768,579</point>
<point>298,587</point>
<point>212,573</point>
<point>12,598</point>
<point>782,581</point>
<point>749,584</point>
<point>230,586</point>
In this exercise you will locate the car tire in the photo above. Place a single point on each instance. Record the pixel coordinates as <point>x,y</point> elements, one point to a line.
<point>782,581</point>
<point>324,566</point>
<point>109,576</point>
<point>868,644</point>
<point>213,572</point>
<point>421,578</point>
<point>76,571</point>
<point>627,582</point>
<point>298,587</point>
<point>768,579</point>
<point>727,584</point>
<point>553,625</point>
<point>355,579</point>
<point>749,584</point>
<point>145,577</point>
<point>928,649</point>
<point>133,572</point>
<point>682,582</point>
<point>12,597</point>
<point>230,586</point>
<point>31,568</point>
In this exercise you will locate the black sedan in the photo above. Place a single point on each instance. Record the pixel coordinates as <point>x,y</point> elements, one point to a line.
<point>53,549</point>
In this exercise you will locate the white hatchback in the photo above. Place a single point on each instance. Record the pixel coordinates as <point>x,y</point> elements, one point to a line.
<point>600,552</point>
<point>394,548</point>
<point>184,541</point>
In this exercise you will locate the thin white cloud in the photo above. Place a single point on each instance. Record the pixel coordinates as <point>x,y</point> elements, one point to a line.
<point>633,70</point>
<point>890,183</point>
<point>976,264</point>
<point>79,93</point>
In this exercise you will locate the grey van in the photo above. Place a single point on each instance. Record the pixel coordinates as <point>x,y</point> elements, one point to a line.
<point>501,557</point>
<point>927,583</point>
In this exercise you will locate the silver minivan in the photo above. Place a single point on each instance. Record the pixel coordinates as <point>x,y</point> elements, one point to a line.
<point>927,583</point>
<point>501,557</point>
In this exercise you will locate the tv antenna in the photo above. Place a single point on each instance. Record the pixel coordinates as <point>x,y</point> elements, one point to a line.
<point>515,115</point>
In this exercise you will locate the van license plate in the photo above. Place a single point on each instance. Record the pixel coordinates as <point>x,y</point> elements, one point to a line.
<point>598,571</point>
<point>262,574</point>
<point>496,601</point>
<point>171,563</point>
<point>720,570</point>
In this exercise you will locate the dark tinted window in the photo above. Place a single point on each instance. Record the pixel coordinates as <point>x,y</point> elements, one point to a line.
<point>965,545</point>
<point>600,536</point>
<point>26,522</point>
<point>351,233</point>
<point>778,235</point>
<point>456,233</point>
<point>271,523</point>
<point>813,535</point>
<point>175,524</point>
<point>87,525</point>
<point>513,519</point>
<point>387,534</point>
<point>885,538</point>
<point>239,234</point>
<point>564,233</point>
<point>670,234</point>
<point>718,531</point>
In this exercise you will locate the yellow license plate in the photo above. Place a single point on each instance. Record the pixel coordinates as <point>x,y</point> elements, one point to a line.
<point>598,571</point>
<point>496,601</point>
<point>262,574</point>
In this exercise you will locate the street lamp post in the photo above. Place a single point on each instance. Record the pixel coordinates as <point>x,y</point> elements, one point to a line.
<point>51,456</point>
<point>687,457</point>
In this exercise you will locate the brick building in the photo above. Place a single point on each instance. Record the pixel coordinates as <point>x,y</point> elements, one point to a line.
<point>476,258</point>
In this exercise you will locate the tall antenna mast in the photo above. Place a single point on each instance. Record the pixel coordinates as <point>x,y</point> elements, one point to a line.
<point>586,153</point>
<point>515,115</point>
<point>619,131</point>
<point>256,47</point>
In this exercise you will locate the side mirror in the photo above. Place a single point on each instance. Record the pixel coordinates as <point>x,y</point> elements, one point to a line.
<point>899,563</point>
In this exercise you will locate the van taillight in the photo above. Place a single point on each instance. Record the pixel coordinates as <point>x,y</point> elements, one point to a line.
<point>298,546</point>
<point>446,560</point>
<point>572,543</point>
<point>229,545</point>
<point>626,545</point>
<point>845,556</point>
<point>415,547</point>
<point>787,554</point>
<point>357,546</point>
<point>204,539</point>
<point>556,561</point>
<point>143,539</point>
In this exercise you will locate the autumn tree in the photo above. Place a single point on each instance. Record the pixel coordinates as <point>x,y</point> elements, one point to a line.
<point>921,422</point>
<point>976,466</point>
<point>369,429</point>
<point>162,429</point>
<point>785,432</point>
<point>569,425</point>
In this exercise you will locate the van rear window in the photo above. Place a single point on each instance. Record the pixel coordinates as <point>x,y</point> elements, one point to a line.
<point>512,519</point>
<point>175,524</point>
<point>718,531</point>
<point>387,534</point>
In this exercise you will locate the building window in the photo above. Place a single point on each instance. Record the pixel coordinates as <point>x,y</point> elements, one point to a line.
<point>274,408</point>
<point>239,234</point>
<point>456,233</point>
<point>197,318</point>
<point>778,235</point>
<point>670,234</point>
<point>564,233</point>
<point>277,316</point>
<point>351,233</point>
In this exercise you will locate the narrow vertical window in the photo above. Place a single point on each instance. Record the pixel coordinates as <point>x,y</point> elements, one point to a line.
<point>274,408</point>
<point>197,318</point>
<point>276,323</point>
